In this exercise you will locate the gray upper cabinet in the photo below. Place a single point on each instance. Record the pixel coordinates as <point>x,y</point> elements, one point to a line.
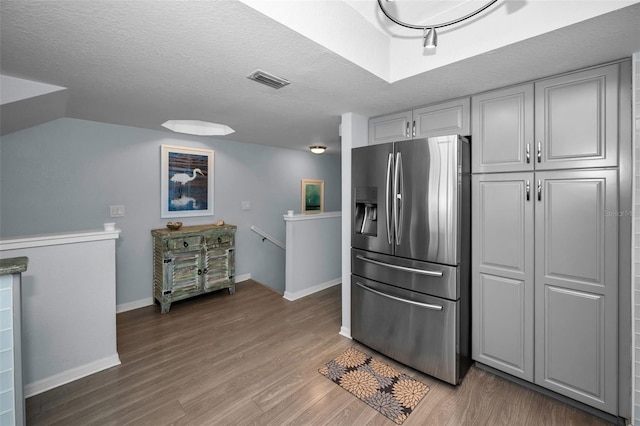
<point>502,271</point>
<point>446,118</point>
<point>575,126</point>
<point>502,129</point>
<point>577,119</point>
<point>576,285</point>
<point>390,128</point>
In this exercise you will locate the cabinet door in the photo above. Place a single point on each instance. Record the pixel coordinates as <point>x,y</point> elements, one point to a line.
<point>218,270</point>
<point>577,119</point>
<point>447,118</point>
<point>390,128</point>
<point>502,272</point>
<point>502,128</point>
<point>576,285</point>
<point>182,274</point>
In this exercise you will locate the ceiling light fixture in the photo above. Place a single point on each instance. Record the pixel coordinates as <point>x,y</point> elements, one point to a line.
<point>318,149</point>
<point>429,31</point>
<point>198,128</point>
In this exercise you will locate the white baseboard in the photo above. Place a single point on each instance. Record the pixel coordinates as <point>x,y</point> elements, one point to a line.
<point>242,277</point>
<point>295,295</point>
<point>346,332</point>
<point>65,377</point>
<point>130,306</point>
<point>148,301</point>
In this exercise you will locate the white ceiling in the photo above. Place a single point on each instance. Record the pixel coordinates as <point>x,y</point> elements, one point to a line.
<point>140,63</point>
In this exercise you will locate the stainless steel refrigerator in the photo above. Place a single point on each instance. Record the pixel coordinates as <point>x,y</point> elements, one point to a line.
<point>410,283</point>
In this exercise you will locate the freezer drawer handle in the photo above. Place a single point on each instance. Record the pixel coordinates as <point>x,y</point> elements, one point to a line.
<point>401,268</point>
<point>399,299</point>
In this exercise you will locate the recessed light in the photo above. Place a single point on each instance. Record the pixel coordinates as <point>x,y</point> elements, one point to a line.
<point>198,128</point>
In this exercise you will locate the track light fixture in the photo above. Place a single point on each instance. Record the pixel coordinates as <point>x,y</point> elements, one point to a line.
<point>430,38</point>
<point>429,31</point>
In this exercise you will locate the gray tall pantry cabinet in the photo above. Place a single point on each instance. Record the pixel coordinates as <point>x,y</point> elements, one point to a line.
<point>545,233</point>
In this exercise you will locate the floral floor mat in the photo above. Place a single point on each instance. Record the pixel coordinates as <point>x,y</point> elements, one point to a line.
<point>380,386</point>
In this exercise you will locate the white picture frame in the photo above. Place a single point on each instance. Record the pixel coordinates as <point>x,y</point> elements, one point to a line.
<point>186,181</point>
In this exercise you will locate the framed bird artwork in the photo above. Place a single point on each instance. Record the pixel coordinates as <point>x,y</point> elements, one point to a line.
<point>186,181</point>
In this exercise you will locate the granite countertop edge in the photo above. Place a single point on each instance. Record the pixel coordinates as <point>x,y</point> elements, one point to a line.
<point>13,265</point>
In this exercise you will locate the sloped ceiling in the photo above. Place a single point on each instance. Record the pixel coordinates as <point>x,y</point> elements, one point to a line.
<point>140,63</point>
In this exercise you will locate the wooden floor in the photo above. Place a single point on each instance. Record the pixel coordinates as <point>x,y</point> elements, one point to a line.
<point>252,358</point>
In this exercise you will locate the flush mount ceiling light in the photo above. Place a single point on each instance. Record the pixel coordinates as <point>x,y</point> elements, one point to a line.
<point>318,149</point>
<point>429,31</point>
<point>198,128</point>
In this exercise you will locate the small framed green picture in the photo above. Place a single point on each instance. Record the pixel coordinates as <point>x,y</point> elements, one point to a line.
<point>312,196</point>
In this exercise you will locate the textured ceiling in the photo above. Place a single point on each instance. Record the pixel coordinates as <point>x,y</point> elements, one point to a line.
<point>140,63</point>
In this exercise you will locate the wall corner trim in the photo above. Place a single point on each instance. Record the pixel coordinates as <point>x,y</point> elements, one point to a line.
<point>346,332</point>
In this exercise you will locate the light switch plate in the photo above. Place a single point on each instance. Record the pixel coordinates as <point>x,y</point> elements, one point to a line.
<point>246,205</point>
<point>116,211</point>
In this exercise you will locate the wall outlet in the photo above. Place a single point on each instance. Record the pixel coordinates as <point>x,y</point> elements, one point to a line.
<point>116,211</point>
<point>246,205</point>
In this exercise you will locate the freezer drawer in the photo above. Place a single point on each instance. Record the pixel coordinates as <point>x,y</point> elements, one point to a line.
<point>424,277</point>
<point>417,330</point>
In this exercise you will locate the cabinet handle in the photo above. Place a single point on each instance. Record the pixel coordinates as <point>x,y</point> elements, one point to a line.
<point>205,271</point>
<point>539,190</point>
<point>199,271</point>
<point>528,190</point>
<point>186,244</point>
<point>539,152</point>
<point>219,240</point>
<point>528,153</point>
<point>414,128</point>
<point>407,131</point>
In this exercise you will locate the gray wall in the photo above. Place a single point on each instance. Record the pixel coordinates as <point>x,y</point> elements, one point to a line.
<point>62,176</point>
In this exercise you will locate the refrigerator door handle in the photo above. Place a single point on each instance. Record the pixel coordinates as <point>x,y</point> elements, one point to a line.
<point>398,188</point>
<point>386,198</point>
<point>395,204</point>
<point>400,268</point>
<point>400,299</point>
